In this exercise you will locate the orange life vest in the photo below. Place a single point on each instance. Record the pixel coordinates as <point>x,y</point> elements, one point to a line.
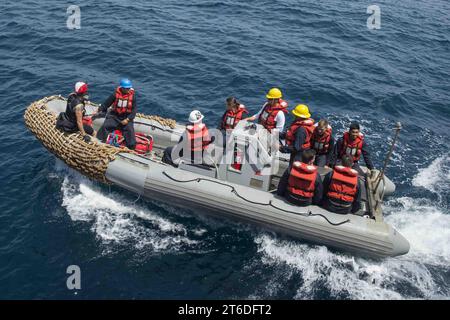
<point>269,113</point>
<point>321,143</point>
<point>352,148</point>
<point>124,102</point>
<point>343,184</point>
<point>302,179</point>
<point>308,124</point>
<point>198,137</point>
<point>231,118</point>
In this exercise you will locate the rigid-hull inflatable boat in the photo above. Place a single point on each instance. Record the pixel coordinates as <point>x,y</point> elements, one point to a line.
<point>219,188</point>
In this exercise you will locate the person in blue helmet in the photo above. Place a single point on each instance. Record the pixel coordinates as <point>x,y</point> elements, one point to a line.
<point>121,115</point>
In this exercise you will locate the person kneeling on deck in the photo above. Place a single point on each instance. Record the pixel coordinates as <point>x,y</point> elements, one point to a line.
<point>123,112</point>
<point>301,183</point>
<point>342,188</point>
<point>322,141</point>
<point>72,119</point>
<point>272,114</point>
<point>353,144</point>
<point>194,140</point>
<point>298,136</point>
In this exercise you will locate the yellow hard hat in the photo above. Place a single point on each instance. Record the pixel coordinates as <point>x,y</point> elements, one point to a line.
<point>274,93</point>
<point>301,111</point>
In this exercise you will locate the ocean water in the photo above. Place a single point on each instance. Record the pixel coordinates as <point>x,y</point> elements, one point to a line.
<point>183,55</point>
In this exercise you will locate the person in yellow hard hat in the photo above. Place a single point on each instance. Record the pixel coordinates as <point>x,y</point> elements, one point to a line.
<point>298,136</point>
<point>272,113</point>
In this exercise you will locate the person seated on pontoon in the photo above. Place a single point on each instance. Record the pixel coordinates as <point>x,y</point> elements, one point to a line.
<point>353,144</point>
<point>301,183</point>
<point>121,116</point>
<point>194,140</point>
<point>342,188</point>
<point>72,119</point>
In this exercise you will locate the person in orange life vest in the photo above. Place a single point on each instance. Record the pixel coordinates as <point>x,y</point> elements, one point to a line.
<point>195,140</point>
<point>322,142</point>
<point>272,113</point>
<point>298,136</point>
<point>301,183</point>
<point>123,111</point>
<point>342,188</point>
<point>72,119</point>
<point>353,144</point>
<point>233,114</point>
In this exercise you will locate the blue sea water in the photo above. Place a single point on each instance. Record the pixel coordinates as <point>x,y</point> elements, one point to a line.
<point>193,54</point>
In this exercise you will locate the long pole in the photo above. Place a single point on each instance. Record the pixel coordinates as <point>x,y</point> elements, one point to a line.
<point>397,129</point>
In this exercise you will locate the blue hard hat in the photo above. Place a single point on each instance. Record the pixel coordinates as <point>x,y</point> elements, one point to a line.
<point>125,83</point>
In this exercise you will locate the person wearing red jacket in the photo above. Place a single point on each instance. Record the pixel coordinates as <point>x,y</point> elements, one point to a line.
<point>121,116</point>
<point>233,114</point>
<point>322,142</point>
<point>301,183</point>
<point>353,144</point>
<point>272,114</point>
<point>342,188</point>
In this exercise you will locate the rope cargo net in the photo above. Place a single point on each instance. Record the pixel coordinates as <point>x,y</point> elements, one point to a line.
<point>89,158</point>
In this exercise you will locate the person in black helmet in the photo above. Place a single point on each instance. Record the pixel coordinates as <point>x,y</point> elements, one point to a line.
<point>72,119</point>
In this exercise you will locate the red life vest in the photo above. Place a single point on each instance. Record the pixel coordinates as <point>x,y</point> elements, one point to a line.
<point>344,182</point>
<point>144,143</point>
<point>308,124</point>
<point>124,102</point>
<point>321,143</point>
<point>198,137</point>
<point>302,179</point>
<point>352,148</point>
<point>231,118</point>
<point>269,113</point>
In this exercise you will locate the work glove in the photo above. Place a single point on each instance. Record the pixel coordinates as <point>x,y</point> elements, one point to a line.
<point>87,138</point>
<point>373,174</point>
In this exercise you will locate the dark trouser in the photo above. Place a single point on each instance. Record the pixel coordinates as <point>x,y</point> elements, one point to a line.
<point>336,208</point>
<point>70,127</point>
<point>297,200</point>
<point>167,156</point>
<point>321,160</point>
<point>112,123</point>
<point>295,156</point>
<point>177,150</point>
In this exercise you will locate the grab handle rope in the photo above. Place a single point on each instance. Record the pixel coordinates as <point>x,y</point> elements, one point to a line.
<point>234,191</point>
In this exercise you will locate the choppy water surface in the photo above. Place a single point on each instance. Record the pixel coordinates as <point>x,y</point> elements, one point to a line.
<point>183,55</point>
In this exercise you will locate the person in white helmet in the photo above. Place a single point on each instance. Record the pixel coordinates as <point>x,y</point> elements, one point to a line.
<point>72,119</point>
<point>195,140</point>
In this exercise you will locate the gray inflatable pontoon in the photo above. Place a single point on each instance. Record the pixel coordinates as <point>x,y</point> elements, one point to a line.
<point>219,189</point>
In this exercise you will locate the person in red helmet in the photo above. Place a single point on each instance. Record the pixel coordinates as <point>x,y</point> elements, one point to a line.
<point>72,119</point>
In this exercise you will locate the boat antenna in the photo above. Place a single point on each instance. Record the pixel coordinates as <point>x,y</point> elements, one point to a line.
<point>397,128</point>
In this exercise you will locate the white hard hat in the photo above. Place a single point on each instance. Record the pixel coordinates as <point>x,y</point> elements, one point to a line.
<point>81,87</point>
<point>195,116</point>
